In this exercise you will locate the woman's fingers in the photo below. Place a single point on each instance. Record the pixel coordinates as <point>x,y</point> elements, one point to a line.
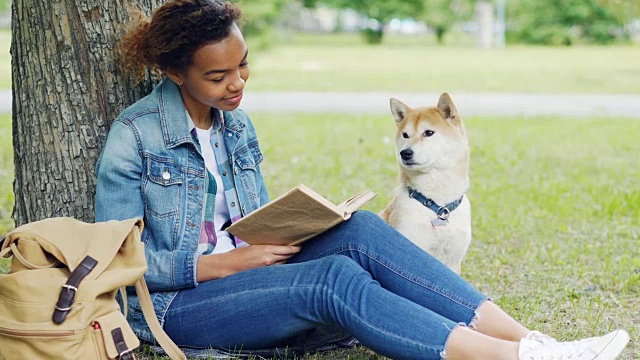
<point>283,249</point>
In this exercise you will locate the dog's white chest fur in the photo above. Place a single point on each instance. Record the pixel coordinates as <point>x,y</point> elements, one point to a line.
<point>448,243</point>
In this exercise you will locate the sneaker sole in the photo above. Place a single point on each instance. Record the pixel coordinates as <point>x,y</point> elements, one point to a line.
<point>614,347</point>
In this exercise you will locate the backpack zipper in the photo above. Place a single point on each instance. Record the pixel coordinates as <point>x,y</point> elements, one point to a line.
<point>37,333</point>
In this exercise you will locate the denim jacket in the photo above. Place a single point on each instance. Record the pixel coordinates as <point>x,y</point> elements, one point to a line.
<point>151,168</point>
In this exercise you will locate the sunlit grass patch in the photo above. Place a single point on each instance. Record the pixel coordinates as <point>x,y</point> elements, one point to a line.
<point>342,62</point>
<point>555,207</point>
<point>6,174</point>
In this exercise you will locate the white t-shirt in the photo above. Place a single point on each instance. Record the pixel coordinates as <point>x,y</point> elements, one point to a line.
<point>221,215</point>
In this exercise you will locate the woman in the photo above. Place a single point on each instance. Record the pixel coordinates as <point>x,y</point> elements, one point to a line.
<point>187,160</point>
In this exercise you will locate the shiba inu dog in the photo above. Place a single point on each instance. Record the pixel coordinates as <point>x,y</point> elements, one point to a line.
<point>429,206</point>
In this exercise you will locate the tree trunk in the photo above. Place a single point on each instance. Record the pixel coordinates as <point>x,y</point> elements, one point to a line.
<point>67,88</point>
<point>373,36</point>
<point>440,31</point>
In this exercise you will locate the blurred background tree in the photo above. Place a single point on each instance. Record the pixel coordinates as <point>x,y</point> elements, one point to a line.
<point>442,15</point>
<point>259,17</point>
<point>567,22</point>
<point>543,22</point>
<point>379,11</point>
<point>623,9</point>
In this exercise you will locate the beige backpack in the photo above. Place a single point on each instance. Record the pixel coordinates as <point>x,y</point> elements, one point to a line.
<point>58,299</point>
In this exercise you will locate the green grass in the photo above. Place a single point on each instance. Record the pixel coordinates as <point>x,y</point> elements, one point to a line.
<point>6,174</point>
<point>556,208</point>
<point>5,59</point>
<point>342,62</point>
<point>415,64</point>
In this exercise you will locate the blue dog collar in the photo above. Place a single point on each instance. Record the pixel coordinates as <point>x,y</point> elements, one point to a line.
<point>442,211</point>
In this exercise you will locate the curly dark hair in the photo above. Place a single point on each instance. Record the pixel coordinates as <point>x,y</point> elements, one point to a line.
<point>175,31</point>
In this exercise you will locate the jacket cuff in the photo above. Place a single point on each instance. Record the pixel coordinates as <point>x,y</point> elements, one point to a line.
<point>195,268</point>
<point>184,270</point>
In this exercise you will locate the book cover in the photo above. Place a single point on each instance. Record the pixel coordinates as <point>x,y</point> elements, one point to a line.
<point>296,216</point>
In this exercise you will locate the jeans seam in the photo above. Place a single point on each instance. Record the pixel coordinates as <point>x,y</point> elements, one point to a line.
<point>424,283</point>
<point>226,295</point>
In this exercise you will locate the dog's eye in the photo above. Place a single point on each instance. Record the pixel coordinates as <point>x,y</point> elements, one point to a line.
<point>427,133</point>
<point>405,135</point>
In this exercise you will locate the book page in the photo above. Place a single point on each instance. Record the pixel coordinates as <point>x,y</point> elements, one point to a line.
<point>354,203</point>
<point>292,218</point>
<point>319,198</point>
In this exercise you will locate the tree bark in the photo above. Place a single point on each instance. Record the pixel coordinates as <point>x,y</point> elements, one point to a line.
<point>67,88</point>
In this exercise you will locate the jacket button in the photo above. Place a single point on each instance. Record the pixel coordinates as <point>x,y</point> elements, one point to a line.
<point>166,175</point>
<point>233,204</point>
<point>217,145</point>
<point>235,171</point>
<point>224,173</point>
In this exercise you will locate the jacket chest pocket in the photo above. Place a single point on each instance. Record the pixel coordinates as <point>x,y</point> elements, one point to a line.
<point>162,187</point>
<point>248,158</point>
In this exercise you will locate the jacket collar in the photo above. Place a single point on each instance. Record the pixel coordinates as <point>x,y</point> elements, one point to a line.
<point>173,116</point>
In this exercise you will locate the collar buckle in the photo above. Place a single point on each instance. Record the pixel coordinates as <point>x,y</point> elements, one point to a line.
<point>443,213</point>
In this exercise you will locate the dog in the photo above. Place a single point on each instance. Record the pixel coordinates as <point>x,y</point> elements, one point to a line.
<point>430,207</point>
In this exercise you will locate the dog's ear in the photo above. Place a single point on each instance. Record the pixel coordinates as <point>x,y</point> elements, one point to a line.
<point>398,109</point>
<point>447,109</point>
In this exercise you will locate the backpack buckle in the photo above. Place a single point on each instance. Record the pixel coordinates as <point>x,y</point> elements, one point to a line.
<point>71,296</point>
<point>68,292</point>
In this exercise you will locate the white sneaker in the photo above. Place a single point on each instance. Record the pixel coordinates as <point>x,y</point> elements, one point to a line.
<point>606,347</point>
<point>540,337</point>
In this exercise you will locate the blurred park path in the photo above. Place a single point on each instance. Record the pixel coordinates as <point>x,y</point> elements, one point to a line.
<point>505,104</point>
<point>498,104</point>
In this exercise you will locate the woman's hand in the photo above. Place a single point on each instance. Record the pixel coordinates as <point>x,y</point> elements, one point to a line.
<point>216,266</point>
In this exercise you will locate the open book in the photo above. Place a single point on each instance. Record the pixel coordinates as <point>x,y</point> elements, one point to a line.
<point>295,217</point>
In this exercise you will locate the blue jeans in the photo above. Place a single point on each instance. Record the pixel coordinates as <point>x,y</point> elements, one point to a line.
<point>362,276</point>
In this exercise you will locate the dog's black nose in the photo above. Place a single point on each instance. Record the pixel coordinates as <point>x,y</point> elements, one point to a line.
<point>406,154</point>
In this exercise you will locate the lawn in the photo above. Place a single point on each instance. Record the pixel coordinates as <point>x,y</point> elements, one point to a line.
<point>6,174</point>
<point>342,62</point>
<point>5,59</point>
<point>556,207</point>
<point>414,64</point>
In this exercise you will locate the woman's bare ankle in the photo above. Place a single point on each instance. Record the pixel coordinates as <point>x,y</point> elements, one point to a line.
<point>466,344</point>
<point>491,320</point>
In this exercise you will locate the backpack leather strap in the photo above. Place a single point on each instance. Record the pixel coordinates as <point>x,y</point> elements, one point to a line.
<point>68,291</point>
<point>124,353</point>
<point>169,347</point>
<point>125,302</point>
